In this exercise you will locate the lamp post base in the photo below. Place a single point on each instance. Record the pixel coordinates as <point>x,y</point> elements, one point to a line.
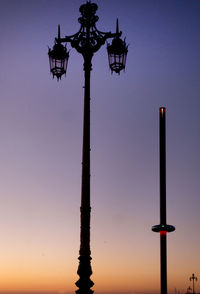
<point>84,271</point>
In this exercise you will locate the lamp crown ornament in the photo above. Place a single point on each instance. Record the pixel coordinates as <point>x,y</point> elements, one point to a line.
<point>88,11</point>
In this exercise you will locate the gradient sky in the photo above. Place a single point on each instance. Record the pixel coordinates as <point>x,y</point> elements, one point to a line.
<point>41,142</point>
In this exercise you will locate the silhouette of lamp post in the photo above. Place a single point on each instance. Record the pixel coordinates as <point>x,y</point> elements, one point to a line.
<point>163,228</point>
<point>188,290</point>
<point>87,41</point>
<point>193,278</point>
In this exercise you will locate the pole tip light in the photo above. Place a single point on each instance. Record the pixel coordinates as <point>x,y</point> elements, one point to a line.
<point>162,109</point>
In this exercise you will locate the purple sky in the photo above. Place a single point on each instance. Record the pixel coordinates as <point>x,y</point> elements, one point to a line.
<point>41,143</point>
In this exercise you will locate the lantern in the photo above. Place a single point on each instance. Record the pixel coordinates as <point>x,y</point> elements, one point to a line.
<point>117,53</point>
<point>58,58</point>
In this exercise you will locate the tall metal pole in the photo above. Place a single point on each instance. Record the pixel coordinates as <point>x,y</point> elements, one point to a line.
<point>162,166</point>
<point>163,228</point>
<point>163,238</point>
<point>84,270</point>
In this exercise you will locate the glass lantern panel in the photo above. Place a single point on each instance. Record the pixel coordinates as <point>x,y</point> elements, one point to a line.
<point>52,63</point>
<point>58,63</point>
<point>112,58</point>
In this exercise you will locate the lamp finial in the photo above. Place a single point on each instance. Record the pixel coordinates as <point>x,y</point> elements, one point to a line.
<point>58,32</point>
<point>117,27</point>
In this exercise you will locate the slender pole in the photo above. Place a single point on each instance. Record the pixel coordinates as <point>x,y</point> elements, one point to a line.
<point>85,185</point>
<point>163,238</point>
<point>163,262</point>
<point>162,166</point>
<point>163,228</point>
<point>84,270</point>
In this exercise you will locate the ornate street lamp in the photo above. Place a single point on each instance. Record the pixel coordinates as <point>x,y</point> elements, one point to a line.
<point>193,278</point>
<point>189,289</point>
<point>86,41</point>
<point>117,53</point>
<point>58,58</point>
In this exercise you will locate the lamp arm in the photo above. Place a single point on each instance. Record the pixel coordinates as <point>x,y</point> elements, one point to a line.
<point>67,39</point>
<point>103,36</point>
<point>108,35</point>
<point>95,39</point>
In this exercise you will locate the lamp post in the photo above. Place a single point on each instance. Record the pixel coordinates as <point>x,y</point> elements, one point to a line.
<point>189,290</point>
<point>193,278</point>
<point>87,41</point>
<point>163,228</point>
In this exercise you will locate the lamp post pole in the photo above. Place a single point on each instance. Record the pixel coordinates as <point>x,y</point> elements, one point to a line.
<point>87,41</point>
<point>85,271</point>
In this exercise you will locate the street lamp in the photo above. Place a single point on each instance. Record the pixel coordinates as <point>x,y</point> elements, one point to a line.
<point>87,41</point>
<point>193,278</point>
<point>58,58</point>
<point>189,290</point>
<point>117,52</point>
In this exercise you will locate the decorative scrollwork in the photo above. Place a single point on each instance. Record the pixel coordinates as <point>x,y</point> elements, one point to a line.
<point>88,40</point>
